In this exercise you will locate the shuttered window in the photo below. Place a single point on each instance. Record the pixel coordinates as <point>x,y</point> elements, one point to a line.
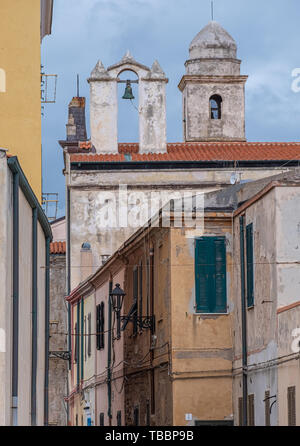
<point>119,418</point>
<point>140,304</point>
<point>251,414</point>
<point>292,406</point>
<point>100,326</point>
<point>267,409</point>
<point>101,420</point>
<point>135,300</point>
<point>210,272</point>
<point>89,334</point>
<point>136,416</point>
<point>240,411</point>
<point>76,344</point>
<point>250,265</point>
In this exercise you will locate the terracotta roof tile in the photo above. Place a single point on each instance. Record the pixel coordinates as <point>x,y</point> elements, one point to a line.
<point>202,151</point>
<point>58,248</point>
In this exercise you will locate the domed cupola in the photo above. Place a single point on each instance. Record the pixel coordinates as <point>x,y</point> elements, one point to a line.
<point>213,41</point>
<point>213,88</point>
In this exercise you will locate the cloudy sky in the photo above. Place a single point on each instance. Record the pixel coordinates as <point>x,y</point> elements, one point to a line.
<point>268,37</point>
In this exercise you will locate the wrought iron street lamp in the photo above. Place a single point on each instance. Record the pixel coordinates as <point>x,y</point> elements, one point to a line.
<point>117,298</point>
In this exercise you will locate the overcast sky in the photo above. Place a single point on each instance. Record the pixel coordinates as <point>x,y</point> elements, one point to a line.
<point>267,34</point>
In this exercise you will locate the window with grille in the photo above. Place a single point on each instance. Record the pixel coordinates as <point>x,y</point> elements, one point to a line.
<point>251,414</point>
<point>292,406</point>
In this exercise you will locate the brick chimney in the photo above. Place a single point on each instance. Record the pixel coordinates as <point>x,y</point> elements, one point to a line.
<point>76,127</point>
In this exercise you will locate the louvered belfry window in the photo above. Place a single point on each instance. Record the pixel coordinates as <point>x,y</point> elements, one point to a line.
<point>292,406</point>
<point>210,275</point>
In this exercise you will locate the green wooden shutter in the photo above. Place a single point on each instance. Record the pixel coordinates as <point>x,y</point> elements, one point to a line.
<point>220,275</point>
<point>210,275</point>
<point>250,266</point>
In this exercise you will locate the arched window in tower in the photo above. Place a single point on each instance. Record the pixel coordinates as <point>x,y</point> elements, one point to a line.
<point>215,106</point>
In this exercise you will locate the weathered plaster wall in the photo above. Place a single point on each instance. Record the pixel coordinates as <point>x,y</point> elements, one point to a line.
<point>261,326</point>
<point>146,357</point>
<point>102,293</point>
<point>201,344</point>
<point>58,368</point>
<point>200,126</point>
<point>90,190</point>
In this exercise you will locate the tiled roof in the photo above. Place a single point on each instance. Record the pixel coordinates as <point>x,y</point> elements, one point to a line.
<point>58,248</point>
<point>201,151</point>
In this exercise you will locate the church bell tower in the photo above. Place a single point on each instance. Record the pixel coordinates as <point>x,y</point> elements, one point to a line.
<point>213,88</point>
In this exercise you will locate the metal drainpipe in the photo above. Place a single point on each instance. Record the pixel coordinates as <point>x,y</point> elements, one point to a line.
<point>47,333</point>
<point>244,324</point>
<point>15,350</point>
<point>109,356</point>
<point>34,317</point>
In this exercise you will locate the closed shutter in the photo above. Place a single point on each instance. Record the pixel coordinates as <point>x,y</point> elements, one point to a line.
<point>119,418</point>
<point>101,420</point>
<point>251,414</point>
<point>89,334</point>
<point>250,266</point>
<point>240,411</point>
<point>140,305</point>
<point>210,275</point>
<point>135,300</point>
<point>292,406</point>
<point>98,326</point>
<point>76,345</point>
<point>102,325</point>
<point>267,409</point>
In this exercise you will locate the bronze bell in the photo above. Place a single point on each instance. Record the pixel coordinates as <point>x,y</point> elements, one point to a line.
<point>128,91</point>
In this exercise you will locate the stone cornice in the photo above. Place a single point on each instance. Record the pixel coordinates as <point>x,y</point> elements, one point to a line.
<point>199,79</point>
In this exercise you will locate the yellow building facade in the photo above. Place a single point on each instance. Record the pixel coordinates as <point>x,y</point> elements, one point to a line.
<point>23,24</point>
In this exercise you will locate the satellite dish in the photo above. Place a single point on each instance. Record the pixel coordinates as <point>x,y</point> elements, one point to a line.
<point>233,178</point>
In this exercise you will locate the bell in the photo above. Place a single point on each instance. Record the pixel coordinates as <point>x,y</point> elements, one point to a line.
<point>128,91</point>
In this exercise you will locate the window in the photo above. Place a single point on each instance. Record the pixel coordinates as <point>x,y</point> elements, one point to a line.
<point>215,106</point>
<point>250,265</point>
<point>100,326</point>
<point>241,412</point>
<point>85,339</point>
<point>136,416</point>
<point>291,406</point>
<point>140,305</point>
<point>119,418</point>
<point>89,334</point>
<point>210,275</point>
<point>267,409</point>
<point>251,414</point>
<point>101,419</point>
<point>148,417</point>
<point>76,344</point>
<point>135,299</point>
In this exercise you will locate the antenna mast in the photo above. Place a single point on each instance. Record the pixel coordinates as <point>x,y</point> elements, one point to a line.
<point>212,10</point>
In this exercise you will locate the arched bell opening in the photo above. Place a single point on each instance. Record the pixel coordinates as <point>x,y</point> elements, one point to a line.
<point>128,104</point>
<point>215,103</point>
